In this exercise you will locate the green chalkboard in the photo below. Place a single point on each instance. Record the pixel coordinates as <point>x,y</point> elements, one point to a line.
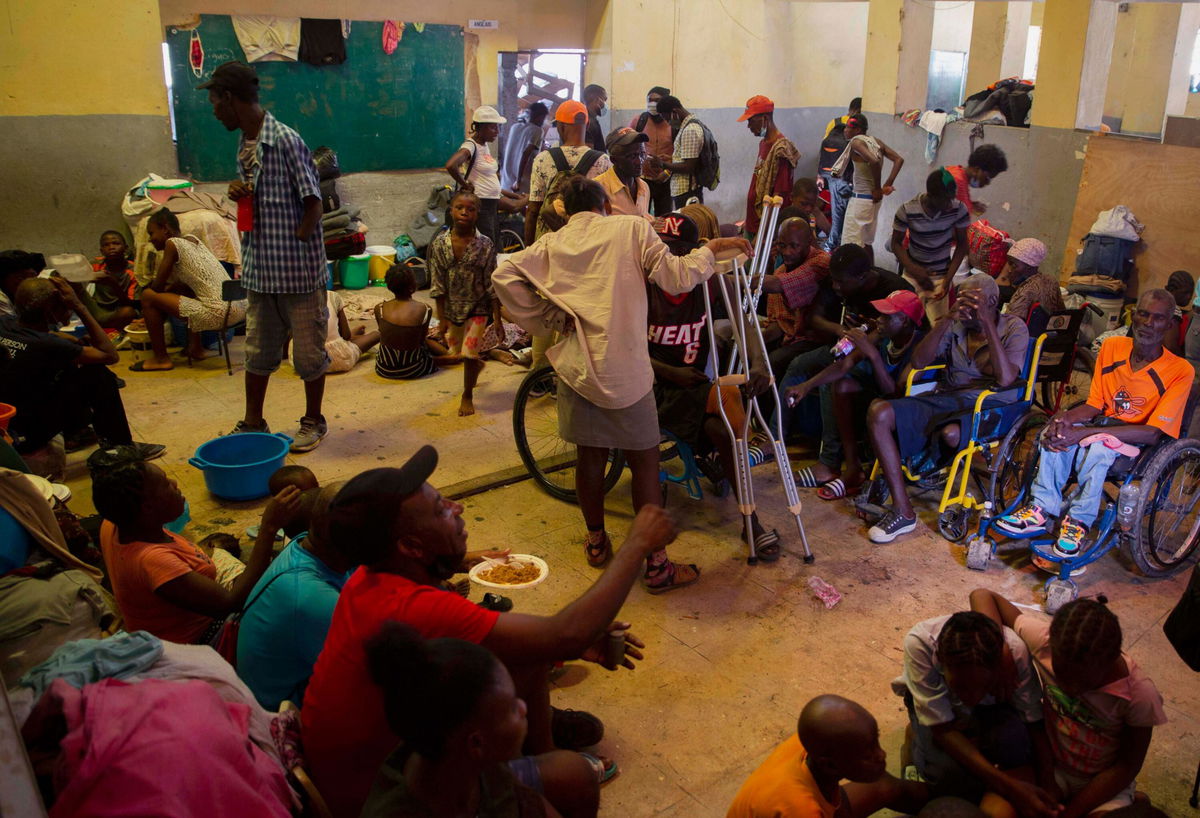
<point>378,111</point>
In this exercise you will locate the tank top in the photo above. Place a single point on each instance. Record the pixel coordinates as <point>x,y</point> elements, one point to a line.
<point>677,334</point>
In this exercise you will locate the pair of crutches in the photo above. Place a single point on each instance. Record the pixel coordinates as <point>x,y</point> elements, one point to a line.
<point>742,308</point>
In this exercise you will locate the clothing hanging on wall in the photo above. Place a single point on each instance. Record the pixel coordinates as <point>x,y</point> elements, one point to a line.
<point>393,30</point>
<point>265,38</point>
<point>321,42</point>
<point>196,54</point>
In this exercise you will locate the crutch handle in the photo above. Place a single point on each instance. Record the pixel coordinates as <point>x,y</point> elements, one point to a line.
<point>735,379</point>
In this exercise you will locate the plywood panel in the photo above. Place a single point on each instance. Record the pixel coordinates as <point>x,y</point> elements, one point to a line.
<point>1160,184</point>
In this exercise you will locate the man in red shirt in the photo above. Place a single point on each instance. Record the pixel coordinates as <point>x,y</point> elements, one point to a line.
<point>777,158</point>
<point>983,165</point>
<point>408,539</point>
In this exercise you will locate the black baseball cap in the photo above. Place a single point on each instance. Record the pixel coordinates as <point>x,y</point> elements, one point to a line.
<point>235,76</point>
<point>361,520</point>
<point>676,228</point>
<point>624,136</point>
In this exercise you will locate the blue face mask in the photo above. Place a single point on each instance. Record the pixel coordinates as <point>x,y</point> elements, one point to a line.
<point>974,183</point>
<point>603,110</point>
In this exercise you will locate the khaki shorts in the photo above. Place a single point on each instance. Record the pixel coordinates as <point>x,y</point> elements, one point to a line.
<point>861,217</point>
<point>270,317</point>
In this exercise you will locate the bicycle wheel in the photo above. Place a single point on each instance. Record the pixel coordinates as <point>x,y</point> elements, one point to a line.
<point>1076,387</point>
<point>550,459</point>
<point>510,242</point>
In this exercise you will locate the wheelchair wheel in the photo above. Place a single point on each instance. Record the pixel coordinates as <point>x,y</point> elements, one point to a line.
<point>1076,387</point>
<point>1015,459</point>
<point>550,459</point>
<point>952,523</point>
<point>510,242</point>
<point>1167,530</point>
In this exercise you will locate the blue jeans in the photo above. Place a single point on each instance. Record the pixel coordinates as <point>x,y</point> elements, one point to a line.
<point>995,729</point>
<point>800,369</point>
<point>1091,467</point>
<point>839,195</point>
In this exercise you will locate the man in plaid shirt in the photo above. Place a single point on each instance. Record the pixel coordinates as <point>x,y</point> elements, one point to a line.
<point>686,160</point>
<point>283,255</point>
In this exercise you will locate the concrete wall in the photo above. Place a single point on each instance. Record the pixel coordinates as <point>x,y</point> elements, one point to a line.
<point>80,124</point>
<point>952,20</point>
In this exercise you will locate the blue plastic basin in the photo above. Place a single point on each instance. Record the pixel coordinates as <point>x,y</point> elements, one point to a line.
<point>237,467</point>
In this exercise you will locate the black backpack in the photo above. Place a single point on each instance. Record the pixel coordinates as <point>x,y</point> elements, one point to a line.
<point>832,146</point>
<point>708,168</point>
<point>548,219</point>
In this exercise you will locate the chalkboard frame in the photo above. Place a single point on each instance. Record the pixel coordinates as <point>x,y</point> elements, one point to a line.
<point>378,111</point>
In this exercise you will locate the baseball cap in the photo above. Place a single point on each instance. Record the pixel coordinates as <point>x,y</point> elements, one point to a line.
<point>904,301</point>
<point>624,136</point>
<point>361,519</point>
<point>756,105</point>
<point>1030,251</point>
<point>234,75</point>
<point>677,228</point>
<point>568,111</point>
<point>486,113</point>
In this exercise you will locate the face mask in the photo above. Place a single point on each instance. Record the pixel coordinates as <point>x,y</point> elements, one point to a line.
<point>603,110</point>
<point>974,183</point>
<point>652,108</point>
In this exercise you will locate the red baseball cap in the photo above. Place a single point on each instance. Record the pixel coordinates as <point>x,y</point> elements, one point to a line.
<point>905,301</point>
<point>757,105</point>
<point>568,112</point>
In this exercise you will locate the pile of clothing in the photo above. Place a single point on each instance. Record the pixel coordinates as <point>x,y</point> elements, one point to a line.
<point>1105,261</point>
<point>345,234</point>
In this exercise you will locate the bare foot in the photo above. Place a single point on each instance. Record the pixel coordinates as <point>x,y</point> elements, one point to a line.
<point>152,365</point>
<point>198,354</point>
<point>504,356</point>
<point>823,473</point>
<point>466,407</point>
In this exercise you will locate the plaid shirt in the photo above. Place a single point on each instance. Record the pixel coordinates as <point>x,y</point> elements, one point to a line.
<point>273,259</point>
<point>800,287</point>
<point>687,146</point>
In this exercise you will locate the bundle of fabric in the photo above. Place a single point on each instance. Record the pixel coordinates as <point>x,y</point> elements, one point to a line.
<point>1105,261</point>
<point>1008,99</point>
<point>210,217</point>
<point>153,748</point>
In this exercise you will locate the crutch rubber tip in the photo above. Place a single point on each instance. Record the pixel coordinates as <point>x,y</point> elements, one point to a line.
<point>809,559</point>
<point>752,560</point>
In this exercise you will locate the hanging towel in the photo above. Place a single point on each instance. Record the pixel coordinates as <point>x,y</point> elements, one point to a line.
<point>268,39</point>
<point>933,122</point>
<point>321,42</point>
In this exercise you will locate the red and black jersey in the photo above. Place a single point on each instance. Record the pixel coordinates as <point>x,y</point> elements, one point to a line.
<point>677,333</point>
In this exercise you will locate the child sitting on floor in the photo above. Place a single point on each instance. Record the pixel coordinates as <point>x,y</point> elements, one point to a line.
<point>405,352</point>
<point>974,705</point>
<point>1101,709</point>
<point>836,739</point>
<point>344,346</point>
<point>114,300</point>
<point>461,261</point>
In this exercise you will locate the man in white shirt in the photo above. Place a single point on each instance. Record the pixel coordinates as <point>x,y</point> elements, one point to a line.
<point>524,141</point>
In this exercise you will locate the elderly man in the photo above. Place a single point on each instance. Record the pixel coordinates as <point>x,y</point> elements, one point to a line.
<point>628,193</point>
<point>56,382</point>
<point>408,539</point>
<point>1032,287</point>
<point>777,158</point>
<point>981,349</point>
<point>1139,390</point>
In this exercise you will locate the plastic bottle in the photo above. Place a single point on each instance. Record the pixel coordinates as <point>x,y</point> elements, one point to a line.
<point>844,346</point>
<point>1127,504</point>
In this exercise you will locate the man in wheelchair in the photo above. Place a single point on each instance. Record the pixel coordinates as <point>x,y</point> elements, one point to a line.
<point>981,349</point>
<point>1138,394</point>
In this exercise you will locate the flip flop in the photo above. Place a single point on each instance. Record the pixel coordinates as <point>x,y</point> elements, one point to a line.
<point>837,488</point>
<point>673,584</point>
<point>599,554</point>
<point>805,478</point>
<point>766,545</point>
<point>606,768</point>
<point>140,366</point>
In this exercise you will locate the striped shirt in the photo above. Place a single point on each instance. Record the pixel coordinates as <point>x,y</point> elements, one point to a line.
<point>283,176</point>
<point>687,146</point>
<point>930,238</point>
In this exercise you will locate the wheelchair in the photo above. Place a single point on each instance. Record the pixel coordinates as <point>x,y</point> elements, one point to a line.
<point>1064,373</point>
<point>1150,506</point>
<point>976,459</point>
<point>550,460</point>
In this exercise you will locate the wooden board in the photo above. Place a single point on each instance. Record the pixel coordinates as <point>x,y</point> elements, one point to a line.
<point>1161,185</point>
<point>378,111</point>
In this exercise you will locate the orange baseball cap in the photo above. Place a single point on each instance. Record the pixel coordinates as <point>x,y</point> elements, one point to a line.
<point>757,105</point>
<point>568,112</point>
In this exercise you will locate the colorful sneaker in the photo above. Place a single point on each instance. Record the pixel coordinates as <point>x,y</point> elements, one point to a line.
<point>891,526</point>
<point>1070,537</point>
<point>1028,519</point>
<point>312,431</point>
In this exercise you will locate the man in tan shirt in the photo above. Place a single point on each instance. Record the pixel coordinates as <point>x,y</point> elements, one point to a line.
<point>628,193</point>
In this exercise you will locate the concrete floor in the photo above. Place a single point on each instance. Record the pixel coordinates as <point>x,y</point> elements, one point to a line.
<point>730,661</point>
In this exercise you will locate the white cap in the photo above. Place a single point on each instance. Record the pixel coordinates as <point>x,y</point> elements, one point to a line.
<point>486,113</point>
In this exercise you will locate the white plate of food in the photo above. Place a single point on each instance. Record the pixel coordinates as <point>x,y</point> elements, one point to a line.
<point>517,571</point>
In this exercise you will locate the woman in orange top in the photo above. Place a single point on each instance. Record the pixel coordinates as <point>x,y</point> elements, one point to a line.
<point>163,582</point>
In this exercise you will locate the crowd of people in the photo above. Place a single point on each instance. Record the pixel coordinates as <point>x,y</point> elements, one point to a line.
<point>414,700</point>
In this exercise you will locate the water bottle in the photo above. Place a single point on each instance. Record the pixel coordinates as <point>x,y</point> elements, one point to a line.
<point>1127,504</point>
<point>844,346</point>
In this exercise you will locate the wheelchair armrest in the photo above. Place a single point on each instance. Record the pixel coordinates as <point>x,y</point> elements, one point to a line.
<point>232,290</point>
<point>918,377</point>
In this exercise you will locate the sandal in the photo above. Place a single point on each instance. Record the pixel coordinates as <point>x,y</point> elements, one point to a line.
<point>598,554</point>
<point>766,545</point>
<point>805,478</point>
<point>838,488</point>
<point>140,366</point>
<point>671,570</point>
<point>606,768</point>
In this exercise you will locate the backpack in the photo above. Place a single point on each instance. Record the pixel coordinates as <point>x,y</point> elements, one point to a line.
<point>640,127</point>
<point>708,169</point>
<point>549,219</point>
<point>987,247</point>
<point>832,147</point>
